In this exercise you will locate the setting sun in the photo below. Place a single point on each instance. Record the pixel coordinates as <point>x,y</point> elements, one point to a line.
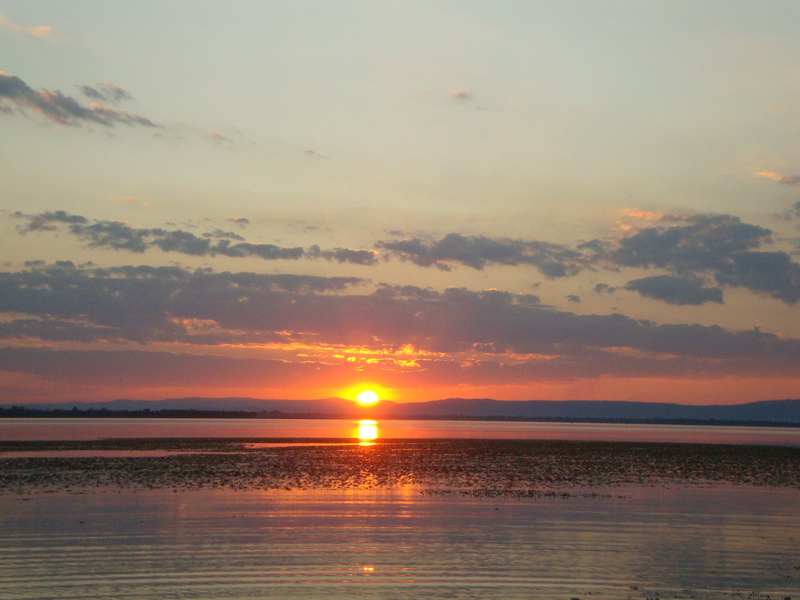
<point>367,398</point>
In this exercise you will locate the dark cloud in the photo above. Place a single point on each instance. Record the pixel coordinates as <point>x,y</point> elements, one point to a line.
<point>219,233</point>
<point>65,110</point>
<point>704,242</point>
<point>718,246</point>
<point>240,221</point>
<point>151,304</point>
<point>676,290</point>
<point>771,273</point>
<point>690,248</point>
<point>573,298</point>
<point>48,221</point>
<point>117,235</point>
<point>265,251</point>
<point>478,251</point>
<point>791,213</point>
<point>345,255</point>
<point>168,304</point>
<point>105,91</point>
<point>602,288</point>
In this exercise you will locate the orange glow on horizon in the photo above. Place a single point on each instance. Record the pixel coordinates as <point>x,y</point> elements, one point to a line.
<point>366,394</point>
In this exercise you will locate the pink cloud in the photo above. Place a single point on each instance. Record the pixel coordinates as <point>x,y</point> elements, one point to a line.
<point>792,180</point>
<point>37,31</point>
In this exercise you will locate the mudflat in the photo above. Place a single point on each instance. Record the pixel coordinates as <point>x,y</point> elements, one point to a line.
<point>493,468</point>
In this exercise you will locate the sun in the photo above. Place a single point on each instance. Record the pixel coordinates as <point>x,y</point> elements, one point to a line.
<point>367,398</point>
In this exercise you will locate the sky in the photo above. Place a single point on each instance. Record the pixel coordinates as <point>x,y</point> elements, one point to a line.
<point>564,199</point>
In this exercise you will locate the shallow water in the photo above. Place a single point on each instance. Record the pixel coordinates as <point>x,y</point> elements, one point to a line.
<point>92,429</point>
<point>397,543</point>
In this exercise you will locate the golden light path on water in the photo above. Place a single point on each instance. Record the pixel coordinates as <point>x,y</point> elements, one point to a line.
<point>367,432</point>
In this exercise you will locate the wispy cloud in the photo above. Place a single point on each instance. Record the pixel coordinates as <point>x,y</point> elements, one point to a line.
<point>792,180</point>
<point>460,95</point>
<point>218,137</point>
<point>38,31</point>
<point>65,110</point>
<point>128,200</point>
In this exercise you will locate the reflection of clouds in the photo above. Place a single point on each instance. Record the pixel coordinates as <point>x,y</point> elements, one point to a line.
<point>367,432</point>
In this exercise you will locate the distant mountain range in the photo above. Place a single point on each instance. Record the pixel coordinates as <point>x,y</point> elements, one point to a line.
<point>769,411</point>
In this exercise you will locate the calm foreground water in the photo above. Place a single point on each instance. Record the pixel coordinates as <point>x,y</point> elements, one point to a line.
<point>90,429</point>
<point>383,544</point>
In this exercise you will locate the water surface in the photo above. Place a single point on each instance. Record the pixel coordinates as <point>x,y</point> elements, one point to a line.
<point>717,542</point>
<point>89,429</point>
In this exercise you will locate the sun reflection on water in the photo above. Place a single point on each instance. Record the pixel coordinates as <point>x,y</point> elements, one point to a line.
<point>367,432</point>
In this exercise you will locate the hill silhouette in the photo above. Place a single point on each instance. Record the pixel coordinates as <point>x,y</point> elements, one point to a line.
<point>767,411</point>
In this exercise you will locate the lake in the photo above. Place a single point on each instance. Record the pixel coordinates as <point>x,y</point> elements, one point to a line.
<point>345,520</point>
<point>384,544</point>
<point>88,429</point>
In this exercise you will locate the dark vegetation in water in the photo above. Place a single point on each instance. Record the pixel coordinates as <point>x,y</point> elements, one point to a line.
<point>511,468</point>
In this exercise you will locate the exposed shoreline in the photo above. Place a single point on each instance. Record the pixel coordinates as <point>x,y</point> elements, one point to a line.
<point>495,468</point>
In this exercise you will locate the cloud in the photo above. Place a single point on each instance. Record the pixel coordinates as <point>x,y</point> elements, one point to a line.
<point>460,95</point>
<point>478,251</point>
<point>720,246</point>
<point>345,255</point>
<point>601,288</point>
<point>105,91</point>
<point>771,273</point>
<point>65,110</point>
<point>240,221</point>
<point>457,326</point>
<point>163,369</point>
<point>697,242</point>
<point>790,214</point>
<point>219,233</point>
<point>37,31</point>
<point>143,304</point>
<point>54,370</point>
<point>48,221</point>
<point>676,290</point>
<point>690,249</point>
<point>792,180</point>
<point>218,137</point>
<point>117,235</point>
